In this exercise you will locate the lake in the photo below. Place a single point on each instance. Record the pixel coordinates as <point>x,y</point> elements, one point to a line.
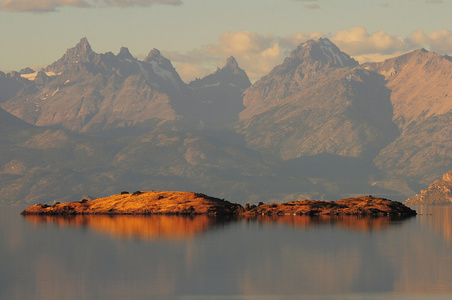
<point>287,257</point>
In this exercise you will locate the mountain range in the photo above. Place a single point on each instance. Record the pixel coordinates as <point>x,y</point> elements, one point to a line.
<point>319,126</point>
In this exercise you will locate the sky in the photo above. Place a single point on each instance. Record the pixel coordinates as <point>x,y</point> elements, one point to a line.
<point>199,35</point>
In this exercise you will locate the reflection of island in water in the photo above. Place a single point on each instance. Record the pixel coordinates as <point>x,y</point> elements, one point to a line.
<point>186,227</point>
<point>136,227</point>
<point>360,223</point>
<point>280,255</point>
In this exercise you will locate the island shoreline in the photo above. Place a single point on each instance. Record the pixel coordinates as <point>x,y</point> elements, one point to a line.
<point>189,203</point>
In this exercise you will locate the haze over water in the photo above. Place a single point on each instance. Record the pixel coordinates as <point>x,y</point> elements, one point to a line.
<point>162,257</point>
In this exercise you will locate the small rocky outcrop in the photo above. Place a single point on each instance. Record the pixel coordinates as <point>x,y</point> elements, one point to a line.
<point>188,203</point>
<point>438,193</point>
<point>362,206</point>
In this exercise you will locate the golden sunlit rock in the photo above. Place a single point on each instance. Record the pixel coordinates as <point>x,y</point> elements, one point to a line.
<point>189,203</point>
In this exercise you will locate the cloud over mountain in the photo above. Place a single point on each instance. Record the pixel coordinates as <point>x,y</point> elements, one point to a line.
<point>363,46</point>
<point>258,53</point>
<point>53,5</point>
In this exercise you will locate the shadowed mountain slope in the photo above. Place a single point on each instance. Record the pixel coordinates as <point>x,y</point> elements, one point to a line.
<point>421,95</point>
<point>317,126</point>
<point>221,93</point>
<point>91,92</point>
<point>317,102</point>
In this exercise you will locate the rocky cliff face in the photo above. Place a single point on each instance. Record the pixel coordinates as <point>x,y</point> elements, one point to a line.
<point>420,84</point>
<point>317,102</point>
<point>421,96</point>
<point>96,92</point>
<point>220,94</point>
<point>300,70</point>
<point>439,192</point>
<point>89,92</point>
<point>317,126</point>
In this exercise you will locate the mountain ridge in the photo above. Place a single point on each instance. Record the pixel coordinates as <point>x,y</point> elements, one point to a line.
<point>317,126</point>
<point>92,92</point>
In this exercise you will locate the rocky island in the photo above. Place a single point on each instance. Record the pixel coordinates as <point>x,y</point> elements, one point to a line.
<point>438,193</point>
<point>189,203</point>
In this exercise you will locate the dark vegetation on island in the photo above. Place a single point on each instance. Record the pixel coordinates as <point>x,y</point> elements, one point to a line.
<point>189,203</point>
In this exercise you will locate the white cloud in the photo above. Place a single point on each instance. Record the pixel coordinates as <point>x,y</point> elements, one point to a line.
<point>357,41</point>
<point>437,41</point>
<point>258,54</point>
<point>127,3</point>
<point>53,5</point>
<point>378,46</point>
<point>39,6</point>
<point>255,53</point>
<point>290,42</point>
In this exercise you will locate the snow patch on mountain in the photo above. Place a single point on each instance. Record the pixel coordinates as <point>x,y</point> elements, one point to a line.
<point>56,91</point>
<point>209,85</point>
<point>328,51</point>
<point>32,76</point>
<point>143,71</point>
<point>165,74</point>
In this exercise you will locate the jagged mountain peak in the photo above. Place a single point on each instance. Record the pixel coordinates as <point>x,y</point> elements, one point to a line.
<point>157,57</point>
<point>83,46</point>
<point>231,62</point>
<point>124,54</point>
<point>82,52</point>
<point>27,71</point>
<point>324,51</point>
<point>310,62</point>
<point>230,74</point>
<point>220,93</point>
<point>154,54</point>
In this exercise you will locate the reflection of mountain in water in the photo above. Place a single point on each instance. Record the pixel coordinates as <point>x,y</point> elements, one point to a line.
<point>185,227</point>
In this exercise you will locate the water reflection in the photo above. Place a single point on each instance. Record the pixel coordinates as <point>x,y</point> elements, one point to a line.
<point>438,217</point>
<point>425,260</point>
<point>164,257</point>
<point>359,223</point>
<point>185,227</point>
<point>137,227</point>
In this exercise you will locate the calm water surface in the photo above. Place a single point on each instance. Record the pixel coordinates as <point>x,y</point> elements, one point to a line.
<point>130,257</point>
